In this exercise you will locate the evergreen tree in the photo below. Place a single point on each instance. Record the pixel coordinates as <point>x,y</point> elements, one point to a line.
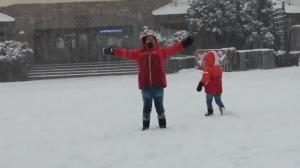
<point>261,24</point>
<point>225,23</point>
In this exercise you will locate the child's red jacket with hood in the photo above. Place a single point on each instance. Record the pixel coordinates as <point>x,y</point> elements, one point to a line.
<point>212,74</point>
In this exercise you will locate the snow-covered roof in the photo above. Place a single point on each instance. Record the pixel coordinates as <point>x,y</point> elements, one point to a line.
<point>173,8</point>
<point>6,18</point>
<point>295,27</point>
<point>14,2</point>
<point>290,6</point>
<point>292,9</point>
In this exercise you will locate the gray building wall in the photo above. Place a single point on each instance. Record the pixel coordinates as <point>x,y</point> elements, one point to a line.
<point>5,32</point>
<point>295,38</point>
<point>60,31</point>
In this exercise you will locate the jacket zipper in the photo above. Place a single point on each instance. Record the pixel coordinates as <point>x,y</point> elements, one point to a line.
<point>150,69</point>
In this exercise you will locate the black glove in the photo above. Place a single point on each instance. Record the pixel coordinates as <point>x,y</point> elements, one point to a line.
<point>199,87</point>
<point>109,51</point>
<point>187,41</point>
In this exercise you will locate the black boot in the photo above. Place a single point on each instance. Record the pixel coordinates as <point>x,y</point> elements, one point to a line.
<point>146,124</point>
<point>162,122</point>
<point>209,112</point>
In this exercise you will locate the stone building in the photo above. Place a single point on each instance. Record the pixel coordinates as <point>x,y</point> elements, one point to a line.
<point>172,15</point>
<point>292,10</point>
<point>65,31</point>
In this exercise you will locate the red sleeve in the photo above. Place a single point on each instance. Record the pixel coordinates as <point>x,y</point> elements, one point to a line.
<point>170,51</point>
<point>126,53</point>
<point>205,77</point>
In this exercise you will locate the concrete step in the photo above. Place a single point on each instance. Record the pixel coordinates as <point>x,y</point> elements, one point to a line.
<point>57,76</point>
<point>52,71</point>
<point>92,68</point>
<point>75,71</point>
<point>84,65</point>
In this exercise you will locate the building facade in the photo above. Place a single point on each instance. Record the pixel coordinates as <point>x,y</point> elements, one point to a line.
<point>70,32</point>
<point>6,24</point>
<point>66,31</point>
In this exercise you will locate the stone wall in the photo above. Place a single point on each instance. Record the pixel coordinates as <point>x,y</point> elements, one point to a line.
<point>240,60</point>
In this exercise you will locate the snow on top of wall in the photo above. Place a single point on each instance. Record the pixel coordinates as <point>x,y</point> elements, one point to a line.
<point>255,50</point>
<point>175,7</point>
<point>6,18</point>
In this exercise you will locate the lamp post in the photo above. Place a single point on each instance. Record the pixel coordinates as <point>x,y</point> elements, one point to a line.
<point>286,30</point>
<point>281,29</point>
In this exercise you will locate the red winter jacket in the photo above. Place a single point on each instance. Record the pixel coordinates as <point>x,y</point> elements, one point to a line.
<point>212,74</point>
<point>150,62</point>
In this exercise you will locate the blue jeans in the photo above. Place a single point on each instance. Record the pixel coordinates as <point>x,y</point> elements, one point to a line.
<point>155,93</point>
<point>218,100</point>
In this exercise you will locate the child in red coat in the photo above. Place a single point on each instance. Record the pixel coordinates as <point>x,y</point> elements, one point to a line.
<point>212,81</point>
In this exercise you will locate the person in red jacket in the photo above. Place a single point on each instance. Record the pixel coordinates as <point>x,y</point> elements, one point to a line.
<point>212,81</point>
<point>151,59</point>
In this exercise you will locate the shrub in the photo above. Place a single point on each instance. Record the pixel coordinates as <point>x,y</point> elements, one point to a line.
<point>15,58</point>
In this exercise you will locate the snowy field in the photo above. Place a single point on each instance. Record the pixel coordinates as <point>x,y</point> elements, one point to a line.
<point>96,123</point>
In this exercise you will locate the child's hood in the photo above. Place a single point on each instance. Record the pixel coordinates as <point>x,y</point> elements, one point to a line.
<point>211,59</point>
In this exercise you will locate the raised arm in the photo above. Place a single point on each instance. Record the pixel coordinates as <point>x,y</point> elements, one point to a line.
<point>172,50</point>
<point>177,47</point>
<point>132,54</point>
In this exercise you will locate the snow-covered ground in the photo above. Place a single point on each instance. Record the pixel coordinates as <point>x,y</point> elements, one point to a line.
<point>95,123</point>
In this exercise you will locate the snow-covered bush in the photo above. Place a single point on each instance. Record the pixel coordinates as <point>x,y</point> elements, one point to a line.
<point>230,22</point>
<point>262,39</point>
<point>169,39</point>
<point>14,57</point>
